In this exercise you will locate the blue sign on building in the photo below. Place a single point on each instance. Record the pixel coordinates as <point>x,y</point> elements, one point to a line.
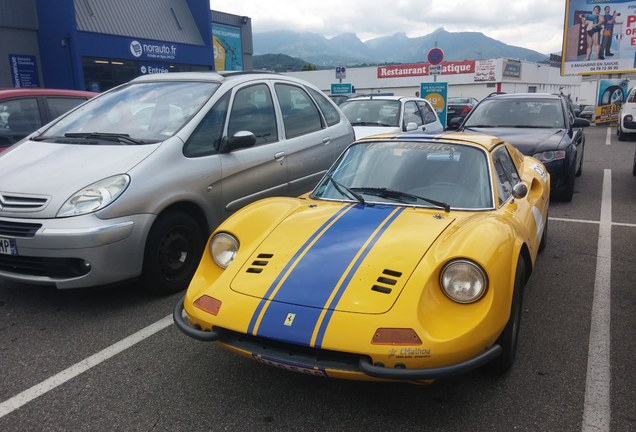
<point>24,71</point>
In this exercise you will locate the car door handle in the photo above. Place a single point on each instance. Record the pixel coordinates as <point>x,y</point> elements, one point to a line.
<point>326,140</point>
<point>279,156</point>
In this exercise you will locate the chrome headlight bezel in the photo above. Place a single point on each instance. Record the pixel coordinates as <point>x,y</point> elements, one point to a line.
<point>95,196</point>
<point>223,249</point>
<point>550,155</point>
<point>463,281</point>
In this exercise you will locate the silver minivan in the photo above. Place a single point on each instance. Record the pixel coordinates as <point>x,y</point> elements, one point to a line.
<point>130,184</point>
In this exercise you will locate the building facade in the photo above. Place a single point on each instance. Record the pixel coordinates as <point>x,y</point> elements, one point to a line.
<point>96,45</point>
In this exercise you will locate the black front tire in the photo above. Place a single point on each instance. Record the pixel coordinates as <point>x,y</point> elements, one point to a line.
<point>621,136</point>
<point>510,335</point>
<point>173,250</point>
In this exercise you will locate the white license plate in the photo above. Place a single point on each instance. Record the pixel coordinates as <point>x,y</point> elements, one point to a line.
<point>294,367</point>
<point>8,247</point>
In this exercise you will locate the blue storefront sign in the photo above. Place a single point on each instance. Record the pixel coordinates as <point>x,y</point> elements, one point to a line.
<point>24,71</point>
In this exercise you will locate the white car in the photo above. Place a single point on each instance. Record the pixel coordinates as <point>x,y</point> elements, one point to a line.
<point>374,115</point>
<point>627,117</point>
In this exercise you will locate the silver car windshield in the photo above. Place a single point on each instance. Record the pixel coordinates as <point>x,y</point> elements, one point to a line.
<point>143,112</point>
<point>426,174</point>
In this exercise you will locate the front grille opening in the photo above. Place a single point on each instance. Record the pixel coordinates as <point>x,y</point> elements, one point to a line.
<point>54,268</point>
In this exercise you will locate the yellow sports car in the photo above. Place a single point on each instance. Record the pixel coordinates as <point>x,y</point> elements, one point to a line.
<point>407,262</point>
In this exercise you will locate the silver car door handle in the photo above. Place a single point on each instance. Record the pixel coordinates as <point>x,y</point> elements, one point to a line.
<point>326,140</point>
<point>279,156</point>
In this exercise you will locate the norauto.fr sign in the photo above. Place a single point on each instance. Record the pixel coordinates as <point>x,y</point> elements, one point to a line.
<point>422,69</point>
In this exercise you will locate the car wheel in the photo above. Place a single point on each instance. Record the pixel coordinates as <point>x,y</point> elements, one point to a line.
<point>173,250</point>
<point>510,335</point>
<point>568,192</point>
<point>544,236</point>
<point>580,170</point>
<point>621,135</point>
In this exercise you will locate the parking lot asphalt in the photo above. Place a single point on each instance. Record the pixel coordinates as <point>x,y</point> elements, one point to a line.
<point>110,358</point>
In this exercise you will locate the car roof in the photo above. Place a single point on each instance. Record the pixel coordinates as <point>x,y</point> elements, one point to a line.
<point>22,92</point>
<point>524,96</point>
<point>485,141</point>
<point>221,77</point>
<point>396,98</point>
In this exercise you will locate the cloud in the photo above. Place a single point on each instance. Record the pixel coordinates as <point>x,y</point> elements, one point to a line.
<point>536,25</point>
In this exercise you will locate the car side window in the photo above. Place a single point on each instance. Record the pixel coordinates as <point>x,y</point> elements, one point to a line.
<point>412,113</point>
<point>206,138</point>
<point>331,114</point>
<point>253,111</point>
<point>23,115</point>
<point>300,114</point>
<point>427,112</point>
<point>60,105</point>
<point>506,174</point>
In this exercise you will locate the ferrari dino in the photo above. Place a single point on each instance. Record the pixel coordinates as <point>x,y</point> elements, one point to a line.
<point>407,262</point>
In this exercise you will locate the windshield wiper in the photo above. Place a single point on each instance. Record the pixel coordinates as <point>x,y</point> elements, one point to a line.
<point>345,191</point>
<point>123,138</point>
<point>399,196</point>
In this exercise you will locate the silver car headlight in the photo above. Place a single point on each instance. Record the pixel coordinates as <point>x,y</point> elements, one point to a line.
<point>95,197</point>
<point>550,156</point>
<point>223,248</point>
<point>463,281</point>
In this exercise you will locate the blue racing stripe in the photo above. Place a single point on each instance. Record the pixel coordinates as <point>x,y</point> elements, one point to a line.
<point>316,275</point>
<point>265,299</point>
<point>334,302</point>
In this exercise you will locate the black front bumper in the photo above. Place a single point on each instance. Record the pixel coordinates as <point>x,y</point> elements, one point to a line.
<point>320,359</point>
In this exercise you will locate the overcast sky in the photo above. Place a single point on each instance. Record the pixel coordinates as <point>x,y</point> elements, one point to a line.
<point>536,25</point>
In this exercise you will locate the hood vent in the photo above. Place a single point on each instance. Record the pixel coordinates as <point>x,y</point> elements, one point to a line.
<point>22,203</point>
<point>259,263</point>
<point>388,279</point>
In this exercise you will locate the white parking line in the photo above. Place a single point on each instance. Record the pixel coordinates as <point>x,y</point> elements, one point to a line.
<point>608,138</point>
<point>596,408</point>
<point>49,384</point>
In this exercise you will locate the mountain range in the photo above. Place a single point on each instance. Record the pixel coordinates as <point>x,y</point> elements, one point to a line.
<point>348,50</point>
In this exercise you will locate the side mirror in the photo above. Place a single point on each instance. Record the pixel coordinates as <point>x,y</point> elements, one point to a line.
<point>455,123</point>
<point>241,139</point>
<point>410,126</point>
<point>520,190</point>
<point>580,122</point>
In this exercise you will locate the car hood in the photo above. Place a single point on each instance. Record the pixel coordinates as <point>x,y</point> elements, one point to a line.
<point>54,171</point>
<point>528,140</point>
<point>365,131</point>
<point>340,257</point>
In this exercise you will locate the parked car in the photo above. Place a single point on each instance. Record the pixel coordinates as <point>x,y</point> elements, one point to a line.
<point>626,123</point>
<point>131,183</point>
<point>373,115</point>
<point>588,113</point>
<point>24,110</point>
<point>407,262</point>
<point>541,125</point>
<point>459,107</point>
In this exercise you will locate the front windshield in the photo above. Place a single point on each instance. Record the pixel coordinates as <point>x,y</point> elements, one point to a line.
<point>146,112</point>
<point>409,171</point>
<point>372,112</point>
<point>531,113</point>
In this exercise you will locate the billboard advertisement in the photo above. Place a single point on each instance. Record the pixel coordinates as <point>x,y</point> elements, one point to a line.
<point>599,37</point>
<point>611,95</point>
<point>228,54</point>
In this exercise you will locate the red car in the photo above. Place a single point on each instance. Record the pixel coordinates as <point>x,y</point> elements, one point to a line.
<point>23,110</point>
